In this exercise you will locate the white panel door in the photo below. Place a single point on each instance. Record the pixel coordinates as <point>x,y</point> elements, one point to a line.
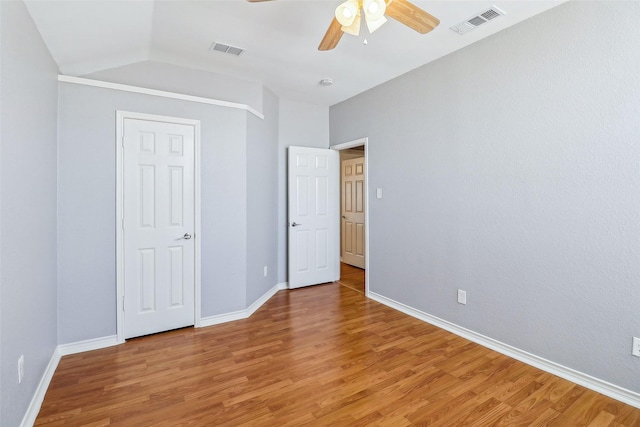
<point>353,186</point>
<point>314,226</point>
<point>159,220</point>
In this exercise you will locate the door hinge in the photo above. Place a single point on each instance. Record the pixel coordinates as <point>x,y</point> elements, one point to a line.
<point>122,223</point>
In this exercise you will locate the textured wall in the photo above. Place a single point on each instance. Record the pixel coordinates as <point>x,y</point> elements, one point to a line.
<point>262,200</point>
<point>511,170</point>
<point>86,199</point>
<point>28,198</point>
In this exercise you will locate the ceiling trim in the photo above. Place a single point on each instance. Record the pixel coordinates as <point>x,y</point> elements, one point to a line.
<point>161,93</point>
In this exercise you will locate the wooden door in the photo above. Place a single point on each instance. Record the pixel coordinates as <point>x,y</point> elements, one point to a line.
<point>352,212</point>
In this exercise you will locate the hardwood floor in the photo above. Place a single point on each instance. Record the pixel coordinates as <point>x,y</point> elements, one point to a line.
<point>323,355</point>
<point>352,277</point>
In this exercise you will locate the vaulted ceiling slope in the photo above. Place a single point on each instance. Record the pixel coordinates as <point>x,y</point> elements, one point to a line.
<point>280,37</point>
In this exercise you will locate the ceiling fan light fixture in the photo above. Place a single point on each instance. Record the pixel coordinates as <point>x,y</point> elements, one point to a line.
<point>354,28</point>
<point>374,9</point>
<point>374,25</point>
<point>347,12</point>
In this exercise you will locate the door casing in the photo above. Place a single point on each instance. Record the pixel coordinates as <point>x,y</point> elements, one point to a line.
<point>120,118</point>
<point>343,146</point>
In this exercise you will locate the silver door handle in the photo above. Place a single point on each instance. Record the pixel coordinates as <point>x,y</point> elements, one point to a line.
<point>186,236</point>
<point>294,224</point>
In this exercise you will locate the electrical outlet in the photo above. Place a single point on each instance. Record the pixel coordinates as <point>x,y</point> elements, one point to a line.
<point>265,271</point>
<point>462,296</point>
<point>20,369</point>
<point>635,349</point>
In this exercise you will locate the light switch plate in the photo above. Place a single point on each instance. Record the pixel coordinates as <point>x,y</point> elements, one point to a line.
<point>462,296</point>
<point>379,193</point>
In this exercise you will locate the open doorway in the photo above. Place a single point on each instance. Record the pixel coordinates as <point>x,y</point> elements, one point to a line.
<point>353,215</point>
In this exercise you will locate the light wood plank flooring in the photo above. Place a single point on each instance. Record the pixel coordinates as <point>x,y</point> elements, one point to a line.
<point>323,355</point>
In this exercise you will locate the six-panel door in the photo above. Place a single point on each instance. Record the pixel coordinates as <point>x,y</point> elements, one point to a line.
<point>159,221</point>
<point>352,210</point>
<point>313,216</point>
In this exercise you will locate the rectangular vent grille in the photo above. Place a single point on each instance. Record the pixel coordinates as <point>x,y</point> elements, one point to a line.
<point>477,20</point>
<point>225,48</point>
<point>490,14</point>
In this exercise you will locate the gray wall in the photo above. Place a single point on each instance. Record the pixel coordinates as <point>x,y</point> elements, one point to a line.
<point>28,214</point>
<point>262,200</point>
<point>86,216</point>
<point>157,75</point>
<point>304,125</point>
<point>510,170</point>
<point>1,365</point>
<point>299,123</point>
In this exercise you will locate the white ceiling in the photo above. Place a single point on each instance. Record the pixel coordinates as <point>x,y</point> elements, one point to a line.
<point>280,37</point>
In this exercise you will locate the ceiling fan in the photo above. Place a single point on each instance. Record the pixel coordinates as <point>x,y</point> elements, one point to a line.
<point>348,18</point>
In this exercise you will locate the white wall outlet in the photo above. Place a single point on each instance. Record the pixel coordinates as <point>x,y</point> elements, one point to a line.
<point>462,296</point>
<point>265,271</point>
<point>20,369</point>
<point>635,349</point>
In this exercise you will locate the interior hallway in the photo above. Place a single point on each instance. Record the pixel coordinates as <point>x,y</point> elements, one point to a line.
<point>352,277</point>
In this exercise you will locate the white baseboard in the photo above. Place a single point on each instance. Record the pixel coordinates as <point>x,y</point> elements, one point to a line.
<point>61,350</point>
<point>222,318</point>
<point>38,397</point>
<point>88,345</point>
<point>615,392</point>
<point>104,342</point>
<point>242,314</point>
<point>264,298</point>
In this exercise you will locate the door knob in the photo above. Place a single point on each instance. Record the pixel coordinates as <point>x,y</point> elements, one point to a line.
<point>344,217</point>
<point>186,236</point>
<point>294,224</point>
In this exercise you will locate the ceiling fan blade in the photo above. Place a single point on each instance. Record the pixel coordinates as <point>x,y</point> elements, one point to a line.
<point>412,16</point>
<point>332,36</point>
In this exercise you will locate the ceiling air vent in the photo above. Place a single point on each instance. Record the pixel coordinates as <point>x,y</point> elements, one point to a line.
<point>476,21</point>
<point>225,48</point>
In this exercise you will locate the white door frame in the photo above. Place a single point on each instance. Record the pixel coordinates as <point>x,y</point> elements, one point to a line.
<point>120,117</point>
<point>343,146</point>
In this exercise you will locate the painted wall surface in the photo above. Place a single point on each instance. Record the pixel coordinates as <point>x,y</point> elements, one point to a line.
<point>171,78</point>
<point>28,218</point>
<point>303,125</point>
<point>262,200</point>
<point>1,365</point>
<point>511,170</point>
<point>87,194</point>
